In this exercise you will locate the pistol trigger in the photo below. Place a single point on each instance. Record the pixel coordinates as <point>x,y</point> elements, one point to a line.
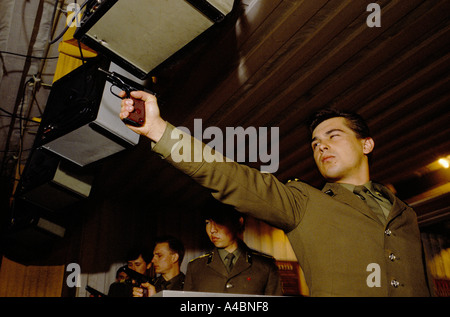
<point>117,95</point>
<point>112,91</point>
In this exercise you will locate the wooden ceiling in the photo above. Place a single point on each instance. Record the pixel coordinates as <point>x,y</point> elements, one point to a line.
<point>274,63</point>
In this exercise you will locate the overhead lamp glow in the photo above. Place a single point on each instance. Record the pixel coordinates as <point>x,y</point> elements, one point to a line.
<point>445,163</point>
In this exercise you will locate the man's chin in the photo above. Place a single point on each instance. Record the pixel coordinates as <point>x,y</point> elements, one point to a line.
<point>332,178</point>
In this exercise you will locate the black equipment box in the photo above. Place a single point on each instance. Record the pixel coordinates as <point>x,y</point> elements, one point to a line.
<point>139,35</point>
<point>81,120</point>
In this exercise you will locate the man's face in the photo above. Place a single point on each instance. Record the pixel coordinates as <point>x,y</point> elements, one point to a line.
<point>163,258</point>
<point>122,277</point>
<point>338,153</point>
<point>139,265</point>
<point>220,235</point>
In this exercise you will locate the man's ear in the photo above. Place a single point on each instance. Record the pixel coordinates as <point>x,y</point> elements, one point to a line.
<point>175,257</point>
<point>368,145</point>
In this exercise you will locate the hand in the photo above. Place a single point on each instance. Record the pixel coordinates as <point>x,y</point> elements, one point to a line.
<point>139,291</point>
<point>154,126</point>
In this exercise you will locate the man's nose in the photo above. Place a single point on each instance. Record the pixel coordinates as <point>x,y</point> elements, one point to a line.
<point>212,228</point>
<point>322,146</point>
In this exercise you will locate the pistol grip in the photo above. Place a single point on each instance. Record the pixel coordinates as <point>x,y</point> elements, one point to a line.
<point>137,117</point>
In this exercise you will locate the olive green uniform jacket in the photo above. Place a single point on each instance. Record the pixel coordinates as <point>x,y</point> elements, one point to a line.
<point>342,247</point>
<point>253,273</point>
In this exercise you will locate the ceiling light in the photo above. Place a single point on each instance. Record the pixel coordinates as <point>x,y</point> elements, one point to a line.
<point>444,162</point>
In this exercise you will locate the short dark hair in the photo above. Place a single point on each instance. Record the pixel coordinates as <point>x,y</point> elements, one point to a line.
<point>223,214</point>
<point>354,121</point>
<point>137,251</point>
<point>175,245</point>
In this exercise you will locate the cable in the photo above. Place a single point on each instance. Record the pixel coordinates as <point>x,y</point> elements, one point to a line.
<point>7,112</point>
<point>21,127</point>
<point>9,115</point>
<point>69,23</point>
<point>81,52</point>
<point>35,120</point>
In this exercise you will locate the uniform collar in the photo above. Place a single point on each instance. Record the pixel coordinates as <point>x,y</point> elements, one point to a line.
<point>345,195</point>
<point>351,187</point>
<point>241,264</point>
<point>223,253</point>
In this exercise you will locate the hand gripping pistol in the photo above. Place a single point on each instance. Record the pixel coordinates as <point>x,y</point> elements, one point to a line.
<point>137,117</point>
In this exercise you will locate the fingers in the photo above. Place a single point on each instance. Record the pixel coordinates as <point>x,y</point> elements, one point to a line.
<point>127,103</point>
<point>125,111</point>
<point>138,292</point>
<point>126,108</point>
<point>154,126</point>
<point>150,288</point>
<point>145,96</point>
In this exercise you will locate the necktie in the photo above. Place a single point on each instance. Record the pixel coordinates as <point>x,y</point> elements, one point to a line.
<point>229,258</point>
<point>364,194</point>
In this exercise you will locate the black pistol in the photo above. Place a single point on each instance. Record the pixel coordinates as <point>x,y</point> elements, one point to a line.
<point>94,292</point>
<point>137,117</point>
<point>137,278</point>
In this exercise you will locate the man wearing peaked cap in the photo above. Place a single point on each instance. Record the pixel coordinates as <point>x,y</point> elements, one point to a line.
<point>231,267</point>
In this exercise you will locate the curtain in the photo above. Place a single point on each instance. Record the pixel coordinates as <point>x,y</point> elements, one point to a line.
<point>17,280</point>
<point>437,251</point>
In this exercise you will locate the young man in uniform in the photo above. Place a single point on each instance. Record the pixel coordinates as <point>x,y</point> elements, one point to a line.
<point>349,240</point>
<point>168,255</point>
<point>231,267</point>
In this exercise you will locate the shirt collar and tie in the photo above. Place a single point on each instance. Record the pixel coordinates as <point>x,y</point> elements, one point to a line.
<point>229,259</point>
<point>380,205</point>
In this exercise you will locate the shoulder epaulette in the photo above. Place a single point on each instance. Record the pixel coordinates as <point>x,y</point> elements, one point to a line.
<point>257,253</point>
<point>209,254</point>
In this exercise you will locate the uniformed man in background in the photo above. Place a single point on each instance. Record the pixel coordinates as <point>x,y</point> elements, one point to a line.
<point>120,288</point>
<point>168,255</point>
<point>231,267</point>
<point>138,259</point>
<point>167,258</point>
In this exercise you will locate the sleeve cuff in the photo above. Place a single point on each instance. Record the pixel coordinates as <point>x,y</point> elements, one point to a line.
<point>164,146</point>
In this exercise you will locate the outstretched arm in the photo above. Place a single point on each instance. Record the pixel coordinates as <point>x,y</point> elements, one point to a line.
<point>248,190</point>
